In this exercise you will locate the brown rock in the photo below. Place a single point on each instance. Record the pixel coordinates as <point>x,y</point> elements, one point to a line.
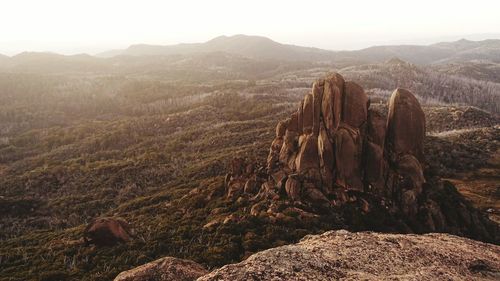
<point>316,196</point>
<point>227,180</point>
<point>232,218</point>
<point>374,157</point>
<point>408,202</point>
<point>279,176</point>
<point>235,188</point>
<point>300,115</point>
<point>274,151</point>
<point>308,158</point>
<point>326,158</point>
<point>164,269</point>
<point>267,190</point>
<point>288,150</point>
<point>340,195</point>
<point>355,105</point>
<point>293,188</point>
<point>293,124</point>
<point>213,223</point>
<point>107,231</point>
<point>409,166</point>
<point>277,144</point>
<point>317,98</point>
<point>348,158</point>
<point>257,209</point>
<point>342,255</point>
<point>280,129</point>
<point>405,125</point>
<point>251,187</point>
<point>376,128</point>
<point>331,106</point>
<point>308,114</point>
<point>437,220</point>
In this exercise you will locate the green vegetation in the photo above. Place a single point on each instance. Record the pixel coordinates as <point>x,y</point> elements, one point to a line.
<point>150,142</point>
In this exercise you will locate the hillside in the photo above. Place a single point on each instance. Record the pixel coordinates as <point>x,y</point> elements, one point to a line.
<point>431,86</point>
<point>446,52</point>
<point>151,152</point>
<point>480,56</point>
<point>479,70</point>
<point>151,139</point>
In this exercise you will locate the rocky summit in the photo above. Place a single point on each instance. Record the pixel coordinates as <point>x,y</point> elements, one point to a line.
<point>335,154</point>
<point>342,255</point>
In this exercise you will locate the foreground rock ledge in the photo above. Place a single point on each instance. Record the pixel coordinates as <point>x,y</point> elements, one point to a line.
<point>341,254</point>
<point>164,269</point>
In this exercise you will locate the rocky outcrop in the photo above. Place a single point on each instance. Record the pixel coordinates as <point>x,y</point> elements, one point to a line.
<point>107,232</point>
<point>335,151</point>
<point>164,269</point>
<point>343,145</point>
<point>341,255</point>
<point>405,125</point>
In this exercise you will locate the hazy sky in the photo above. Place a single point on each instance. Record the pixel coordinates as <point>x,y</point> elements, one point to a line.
<point>73,26</point>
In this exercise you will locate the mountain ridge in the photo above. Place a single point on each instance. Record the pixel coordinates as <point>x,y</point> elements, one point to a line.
<point>263,48</point>
<point>266,48</point>
<point>249,46</point>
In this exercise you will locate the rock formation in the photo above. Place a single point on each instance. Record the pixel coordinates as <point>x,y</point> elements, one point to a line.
<point>107,232</point>
<point>164,269</point>
<point>335,151</point>
<point>335,143</point>
<point>341,255</point>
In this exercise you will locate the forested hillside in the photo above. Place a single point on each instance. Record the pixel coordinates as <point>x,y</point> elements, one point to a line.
<point>148,138</point>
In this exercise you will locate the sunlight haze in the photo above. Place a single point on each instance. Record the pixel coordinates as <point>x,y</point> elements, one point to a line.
<point>92,26</point>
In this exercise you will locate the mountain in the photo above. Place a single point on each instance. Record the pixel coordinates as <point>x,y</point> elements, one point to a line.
<point>43,62</point>
<point>264,48</point>
<point>483,55</point>
<point>472,50</point>
<point>249,46</point>
<point>460,50</point>
<point>411,53</point>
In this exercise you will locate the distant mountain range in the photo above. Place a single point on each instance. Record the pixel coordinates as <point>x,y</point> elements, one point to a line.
<point>262,48</point>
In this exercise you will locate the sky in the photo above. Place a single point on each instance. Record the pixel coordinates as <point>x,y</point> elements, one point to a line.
<point>91,26</point>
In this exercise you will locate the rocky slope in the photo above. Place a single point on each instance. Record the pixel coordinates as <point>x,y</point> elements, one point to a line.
<point>344,255</point>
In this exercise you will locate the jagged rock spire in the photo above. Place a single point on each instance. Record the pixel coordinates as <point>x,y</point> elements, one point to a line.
<point>335,143</point>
